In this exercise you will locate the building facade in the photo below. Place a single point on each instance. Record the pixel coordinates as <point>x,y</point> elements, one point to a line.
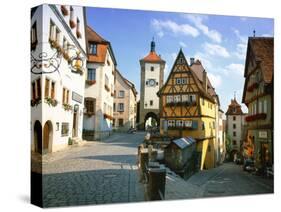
<point>58,49</point>
<point>99,87</point>
<point>152,76</point>
<point>235,123</point>
<point>125,104</point>
<point>258,97</point>
<point>189,108</point>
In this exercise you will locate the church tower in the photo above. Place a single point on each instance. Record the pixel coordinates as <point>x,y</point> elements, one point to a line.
<point>152,76</point>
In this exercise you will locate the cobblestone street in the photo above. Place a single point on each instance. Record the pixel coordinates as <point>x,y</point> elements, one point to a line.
<point>225,180</point>
<point>96,173</point>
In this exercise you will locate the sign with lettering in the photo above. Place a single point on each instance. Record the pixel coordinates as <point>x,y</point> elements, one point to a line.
<point>77,97</point>
<point>262,134</point>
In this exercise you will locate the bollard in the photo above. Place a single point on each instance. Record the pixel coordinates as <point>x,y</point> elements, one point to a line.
<point>143,163</point>
<point>156,184</point>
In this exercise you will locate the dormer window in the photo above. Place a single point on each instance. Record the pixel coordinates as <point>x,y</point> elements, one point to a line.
<point>93,48</point>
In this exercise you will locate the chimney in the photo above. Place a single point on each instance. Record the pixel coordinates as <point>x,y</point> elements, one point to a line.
<point>205,80</point>
<point>191,60</point>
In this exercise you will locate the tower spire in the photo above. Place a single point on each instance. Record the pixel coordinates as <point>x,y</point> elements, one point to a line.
<point>152,45</point>
<point>254,33</point>
<point>234,95</point>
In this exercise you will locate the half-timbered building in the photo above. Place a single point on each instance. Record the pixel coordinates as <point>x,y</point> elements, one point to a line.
<point>188,108</point>
<point>258,97</point>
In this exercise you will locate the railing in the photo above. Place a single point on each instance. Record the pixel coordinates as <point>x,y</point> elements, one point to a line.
<point>259,116</point>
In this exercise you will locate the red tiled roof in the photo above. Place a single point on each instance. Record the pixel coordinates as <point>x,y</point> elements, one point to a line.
<point>198,69</point>
<point>263,50</point>
<point>234,108</point>
<point>152,57</point>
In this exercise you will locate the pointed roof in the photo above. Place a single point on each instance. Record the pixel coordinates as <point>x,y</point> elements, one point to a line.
<point>262,49</point>
<point>102,47</point>
<point>197,74</point>
<point>234,108</point>
<point>152,55</point>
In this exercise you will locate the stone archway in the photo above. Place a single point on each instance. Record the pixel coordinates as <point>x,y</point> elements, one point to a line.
<point>37,137</point>
<point>154,117</point>
<point>47,137</point>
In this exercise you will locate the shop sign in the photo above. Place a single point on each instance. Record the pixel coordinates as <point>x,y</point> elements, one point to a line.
<point>262,134</point>
<point>77,97</point>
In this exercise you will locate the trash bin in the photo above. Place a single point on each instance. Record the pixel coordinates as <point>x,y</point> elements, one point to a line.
<point>156,183</point>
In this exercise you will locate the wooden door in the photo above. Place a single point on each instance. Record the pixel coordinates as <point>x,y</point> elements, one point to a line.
<point>46,138</point>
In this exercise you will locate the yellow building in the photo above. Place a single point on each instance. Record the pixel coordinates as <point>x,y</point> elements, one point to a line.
<point>188,105</point>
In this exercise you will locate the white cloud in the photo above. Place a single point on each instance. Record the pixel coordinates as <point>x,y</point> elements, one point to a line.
<point>216,50</point>
<point>243,18</point>
<point>234,68</point>
<point>175,28</point>
<point>205,60</point>
<point>182,44</point>
<point>174,56</point>
<point>215,79</point>
<point>241,47</point>
<point>197,20</point>
<point>266,35</point>
<point>160,34</point>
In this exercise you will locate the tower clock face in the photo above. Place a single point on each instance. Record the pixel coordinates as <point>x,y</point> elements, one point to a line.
<point>151,82</point>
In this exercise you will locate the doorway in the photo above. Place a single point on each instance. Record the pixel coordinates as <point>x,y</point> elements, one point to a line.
<point>47,137</point>
<point>38,137</point>
<point>75,122</point>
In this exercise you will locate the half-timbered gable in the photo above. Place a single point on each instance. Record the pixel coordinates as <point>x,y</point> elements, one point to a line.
<point>188,107</point>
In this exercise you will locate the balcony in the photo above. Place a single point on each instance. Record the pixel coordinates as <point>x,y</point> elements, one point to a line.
<point>259,116</point>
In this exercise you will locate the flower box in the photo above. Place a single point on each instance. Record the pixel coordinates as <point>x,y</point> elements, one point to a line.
<point>78,34</point>
<point>106,116</point>
<point>67,107</point>
<point>259,116</point>
<point>91,82</point>
<point>64,10</point>
<point>72,24</point>
<point>51,101</point>
<point>35,102</point>
<point>106,88</point>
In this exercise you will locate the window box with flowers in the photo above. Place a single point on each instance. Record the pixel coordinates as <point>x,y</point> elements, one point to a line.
<point>78,34</point>
<point>106,116</point>
<point>67,107</point>
<point>252,87</point>
<point>106,88</point>
<point>259,116</point>
<point>51,101</point>
<point>35,102</point>
<point>64,10</point>
<point>91,82</point>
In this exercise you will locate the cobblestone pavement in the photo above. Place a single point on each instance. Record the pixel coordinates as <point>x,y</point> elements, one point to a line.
<point>99,172</point>
<point>225,180</point>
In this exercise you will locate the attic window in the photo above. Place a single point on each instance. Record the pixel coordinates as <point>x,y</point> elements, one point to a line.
<point>93,48</point>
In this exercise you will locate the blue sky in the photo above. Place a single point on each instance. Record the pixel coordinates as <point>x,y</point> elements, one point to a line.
<point>218,41</point>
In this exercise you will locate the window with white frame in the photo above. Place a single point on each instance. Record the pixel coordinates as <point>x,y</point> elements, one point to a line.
<point>184,81</point>
<point>65,96</point>
<point>91,74</point>
<point>184,98</point>
<point>179,123</point>
<point>177,98</point>
<point>171,123</point>
<point>120,107</point>
<point>178,81</point>
<point>93,48</point>
<point>52,33</point>
<point>170,99</point>
<point>260,106</point>
<point>265,106</point>
<point>121,94</point>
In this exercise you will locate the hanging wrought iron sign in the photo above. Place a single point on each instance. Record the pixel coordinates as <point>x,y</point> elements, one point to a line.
<point>45,64</point>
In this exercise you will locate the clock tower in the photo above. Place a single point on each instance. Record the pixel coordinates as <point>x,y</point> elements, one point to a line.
<point>152,77</point>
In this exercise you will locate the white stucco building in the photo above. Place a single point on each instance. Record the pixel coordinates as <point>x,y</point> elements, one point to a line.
<point>125,103</point>
<point>58,53</point>
<point>99,87</point>
<point>235,122</point>
<point>152,76</point>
